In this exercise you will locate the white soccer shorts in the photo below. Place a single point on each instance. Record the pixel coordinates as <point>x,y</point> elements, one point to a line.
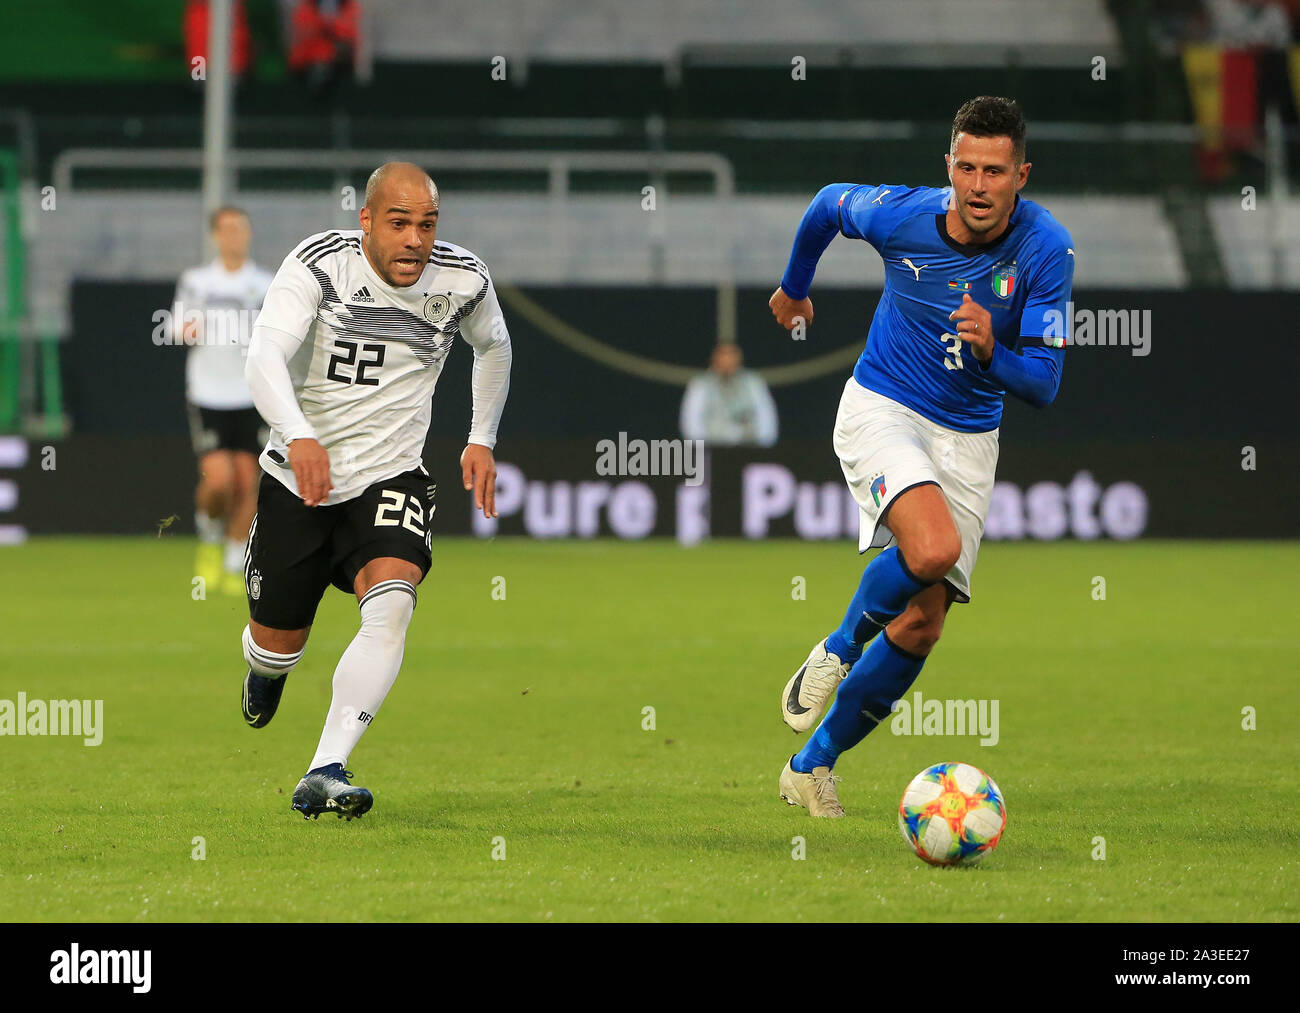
<point>886,448</point>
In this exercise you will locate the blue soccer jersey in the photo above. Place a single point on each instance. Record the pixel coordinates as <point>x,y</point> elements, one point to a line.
<point>912,353</point>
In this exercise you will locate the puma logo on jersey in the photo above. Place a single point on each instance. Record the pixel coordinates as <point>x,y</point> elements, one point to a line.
<point>362,295</point>
<point>881,197</point>
<point>915,269</point>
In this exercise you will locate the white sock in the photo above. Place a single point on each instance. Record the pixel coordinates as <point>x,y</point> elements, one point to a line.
<point>235,555</point>
<point>267,663</point>
<point>367,670</point>
<point>210,529</point>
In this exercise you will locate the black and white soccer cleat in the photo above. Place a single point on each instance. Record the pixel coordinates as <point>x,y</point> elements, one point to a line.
<point>327,790</point>
<point>806,694</point>
<point>261,698</point>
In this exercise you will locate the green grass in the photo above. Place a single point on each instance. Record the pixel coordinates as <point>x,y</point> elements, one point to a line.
<point>522,719</point>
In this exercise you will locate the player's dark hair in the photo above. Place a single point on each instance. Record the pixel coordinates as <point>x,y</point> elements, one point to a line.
<point>226,209</point>
<point>989,116</point>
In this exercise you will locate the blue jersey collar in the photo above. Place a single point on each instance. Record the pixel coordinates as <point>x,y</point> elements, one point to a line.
<point>974,249</point>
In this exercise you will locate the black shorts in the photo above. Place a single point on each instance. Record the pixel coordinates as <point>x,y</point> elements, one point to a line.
<point>227,429</point>
<point>296,551</point>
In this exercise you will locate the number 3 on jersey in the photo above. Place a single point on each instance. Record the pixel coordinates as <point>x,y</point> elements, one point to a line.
<point>953,359</point>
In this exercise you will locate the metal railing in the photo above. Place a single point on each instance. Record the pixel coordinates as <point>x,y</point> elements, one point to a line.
<point>559,167</point>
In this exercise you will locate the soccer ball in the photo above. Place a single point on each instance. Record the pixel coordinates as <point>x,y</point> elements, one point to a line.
<point>952,814</point>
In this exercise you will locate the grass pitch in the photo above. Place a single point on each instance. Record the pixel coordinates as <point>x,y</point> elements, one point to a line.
<point>516,727</point>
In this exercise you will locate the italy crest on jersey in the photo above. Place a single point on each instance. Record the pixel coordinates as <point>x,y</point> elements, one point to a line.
<point>1004,279</point>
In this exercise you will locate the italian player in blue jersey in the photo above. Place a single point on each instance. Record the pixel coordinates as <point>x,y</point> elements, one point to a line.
<point>973,275</point>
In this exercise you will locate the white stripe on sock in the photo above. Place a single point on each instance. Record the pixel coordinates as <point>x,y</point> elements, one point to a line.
<point>264,662</point>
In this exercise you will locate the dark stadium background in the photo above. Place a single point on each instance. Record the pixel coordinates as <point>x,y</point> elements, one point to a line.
<point>81,375</point>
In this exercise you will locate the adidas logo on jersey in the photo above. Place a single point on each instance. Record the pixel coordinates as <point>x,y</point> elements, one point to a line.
<point>362,295</point>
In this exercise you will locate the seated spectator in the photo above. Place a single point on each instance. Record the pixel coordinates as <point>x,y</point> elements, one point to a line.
<point>197,18</point>
<point>728,405</point>
<point>323,37</point>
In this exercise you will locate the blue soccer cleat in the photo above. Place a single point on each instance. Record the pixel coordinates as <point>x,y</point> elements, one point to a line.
<point>327,790</point>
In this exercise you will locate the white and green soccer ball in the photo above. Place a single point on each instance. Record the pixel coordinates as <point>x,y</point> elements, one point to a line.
<point>952,814</point>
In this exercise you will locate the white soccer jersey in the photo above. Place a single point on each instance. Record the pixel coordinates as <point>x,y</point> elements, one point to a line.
<point>364,357</point>
<point>228,302</point>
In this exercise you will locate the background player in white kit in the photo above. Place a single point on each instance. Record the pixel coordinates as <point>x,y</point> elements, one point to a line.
<point>343,365</point>
<point>218,303</point>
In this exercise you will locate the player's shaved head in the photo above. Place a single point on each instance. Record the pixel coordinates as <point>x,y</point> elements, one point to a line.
<point>400,222</point>
<point>392,180</point>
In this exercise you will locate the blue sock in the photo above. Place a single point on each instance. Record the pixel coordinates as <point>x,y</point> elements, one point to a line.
<point>886,587</point>
<point>882,675</point>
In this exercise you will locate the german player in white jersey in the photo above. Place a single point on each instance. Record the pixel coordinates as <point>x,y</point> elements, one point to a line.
<point>216,304</point>
<point>343,364</point>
